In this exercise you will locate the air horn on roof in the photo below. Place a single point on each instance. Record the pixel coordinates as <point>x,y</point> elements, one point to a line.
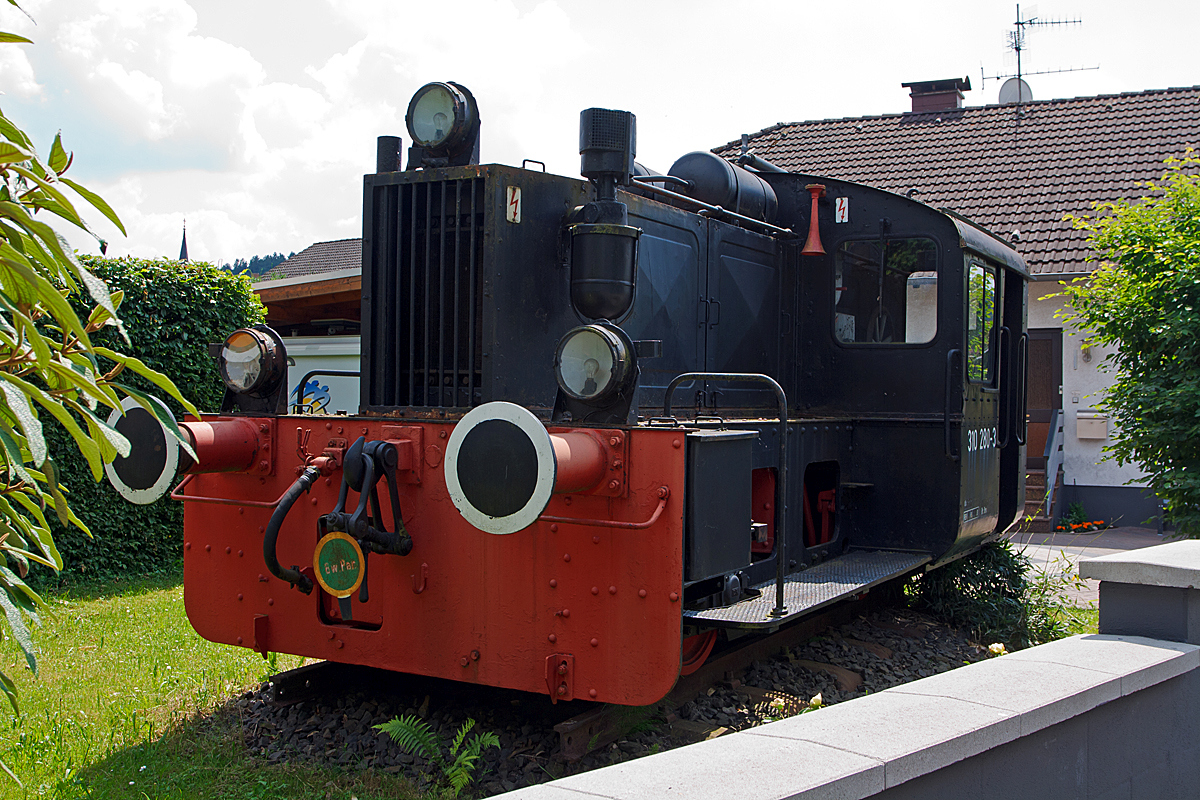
<point>813,247</point>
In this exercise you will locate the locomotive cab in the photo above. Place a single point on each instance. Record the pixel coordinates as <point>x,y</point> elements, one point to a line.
<point>602,420</point>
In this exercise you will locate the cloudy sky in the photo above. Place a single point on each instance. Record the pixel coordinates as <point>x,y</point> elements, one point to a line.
<point>255,119</point>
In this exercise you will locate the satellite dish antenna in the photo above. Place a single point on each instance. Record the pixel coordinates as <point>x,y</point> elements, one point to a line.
<point>1015,90</point>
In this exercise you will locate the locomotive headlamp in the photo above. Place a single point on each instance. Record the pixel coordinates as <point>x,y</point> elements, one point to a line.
<point>593,362</point>
<point>251,361</point>
<point>443,121</point>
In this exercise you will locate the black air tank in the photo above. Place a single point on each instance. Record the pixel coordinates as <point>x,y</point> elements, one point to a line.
<point>719,183</point>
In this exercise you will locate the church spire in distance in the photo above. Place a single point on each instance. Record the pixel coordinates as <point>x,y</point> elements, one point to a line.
<point>183,256</point>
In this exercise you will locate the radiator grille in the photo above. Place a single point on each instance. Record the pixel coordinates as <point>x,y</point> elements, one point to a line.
<point>426,310</point>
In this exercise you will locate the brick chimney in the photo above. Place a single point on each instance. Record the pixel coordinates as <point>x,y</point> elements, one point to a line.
<point>943,95</point>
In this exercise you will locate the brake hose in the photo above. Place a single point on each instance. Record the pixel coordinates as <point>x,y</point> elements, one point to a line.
<point>292,575</point>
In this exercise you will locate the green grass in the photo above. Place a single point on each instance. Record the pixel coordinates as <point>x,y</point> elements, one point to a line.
<point>1082,620</point>
<point>125,705</point>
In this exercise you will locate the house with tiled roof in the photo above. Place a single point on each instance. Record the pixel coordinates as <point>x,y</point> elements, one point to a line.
<point>1021,170</point>
<point>315,291</point>
<point>314,300</point>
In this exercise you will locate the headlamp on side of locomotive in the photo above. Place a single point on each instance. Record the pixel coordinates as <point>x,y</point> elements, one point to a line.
<point>593,362</point>
<point>250,361</point>
<point>443,121</point>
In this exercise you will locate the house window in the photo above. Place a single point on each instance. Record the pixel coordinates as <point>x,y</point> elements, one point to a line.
<point>885,291</point>
<point>981,323</point>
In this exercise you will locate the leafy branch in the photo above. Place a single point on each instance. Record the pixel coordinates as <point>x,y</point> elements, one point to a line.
<point>49,365</point>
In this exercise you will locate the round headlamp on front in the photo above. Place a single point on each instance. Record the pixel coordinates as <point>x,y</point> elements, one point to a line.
<point>593,362</point>
<point>440,116</point>
<point>251,361</point>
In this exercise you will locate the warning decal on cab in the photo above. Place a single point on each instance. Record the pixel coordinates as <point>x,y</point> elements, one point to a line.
<point>841,209</point>
<point>513,204</point>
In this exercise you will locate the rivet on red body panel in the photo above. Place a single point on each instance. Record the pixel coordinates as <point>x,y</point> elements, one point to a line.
<point>433,455</point>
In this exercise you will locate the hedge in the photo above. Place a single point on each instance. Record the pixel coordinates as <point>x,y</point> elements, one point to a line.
<point>171,311</point>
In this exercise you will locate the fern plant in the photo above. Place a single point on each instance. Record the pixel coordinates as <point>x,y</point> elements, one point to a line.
<point>416,737</point>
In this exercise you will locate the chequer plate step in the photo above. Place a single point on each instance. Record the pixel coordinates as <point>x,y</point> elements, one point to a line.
<point>806,591</point>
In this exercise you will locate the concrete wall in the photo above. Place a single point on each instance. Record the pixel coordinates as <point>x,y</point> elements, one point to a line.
<point>1113,715</point>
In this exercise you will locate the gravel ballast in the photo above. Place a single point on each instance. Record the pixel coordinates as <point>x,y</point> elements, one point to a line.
<point>869,654</point>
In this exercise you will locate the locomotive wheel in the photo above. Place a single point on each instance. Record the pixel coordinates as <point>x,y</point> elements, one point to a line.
<point>696,650</point>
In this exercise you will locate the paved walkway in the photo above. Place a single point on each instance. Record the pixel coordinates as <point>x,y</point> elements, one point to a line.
<point>1059,551</point>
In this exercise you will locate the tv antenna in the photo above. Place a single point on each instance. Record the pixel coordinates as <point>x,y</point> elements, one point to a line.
<point>1017,90</point>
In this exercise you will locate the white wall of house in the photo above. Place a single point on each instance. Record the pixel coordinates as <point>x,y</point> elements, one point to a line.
<point>331,394</point>
<point>1084,462</point>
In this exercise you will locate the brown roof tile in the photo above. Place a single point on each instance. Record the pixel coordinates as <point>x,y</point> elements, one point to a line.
<point>320,257</point>
<point>1002,169</point>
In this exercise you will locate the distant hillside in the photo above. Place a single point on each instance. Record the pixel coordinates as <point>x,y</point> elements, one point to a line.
<point>258,265</point>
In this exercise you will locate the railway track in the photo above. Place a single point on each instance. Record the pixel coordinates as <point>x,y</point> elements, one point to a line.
<point>325,712</point>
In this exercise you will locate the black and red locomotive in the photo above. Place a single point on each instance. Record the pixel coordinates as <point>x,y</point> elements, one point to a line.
<point>604,421</point>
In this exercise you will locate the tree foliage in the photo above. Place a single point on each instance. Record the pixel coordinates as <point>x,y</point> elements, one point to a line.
<point>258,265</point>
<point>49,365</point>
<point>1144,299</point>
<point>171,312</point>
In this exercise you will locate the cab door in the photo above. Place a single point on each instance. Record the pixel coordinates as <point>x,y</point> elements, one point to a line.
<point>980,438</point>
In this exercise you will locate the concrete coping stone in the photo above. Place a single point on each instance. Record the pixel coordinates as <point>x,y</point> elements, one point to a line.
<point>1173,564</point>
<point>861,747</point>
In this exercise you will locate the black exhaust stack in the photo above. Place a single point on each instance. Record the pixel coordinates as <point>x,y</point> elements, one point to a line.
<point>604,245</point>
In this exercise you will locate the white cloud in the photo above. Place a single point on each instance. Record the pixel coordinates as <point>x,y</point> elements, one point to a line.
<point>146,96</point>
<point>17,72</point>
<point>257,121</point>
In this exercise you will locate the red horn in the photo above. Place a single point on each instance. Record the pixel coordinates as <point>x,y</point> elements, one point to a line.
<point>812,247</point>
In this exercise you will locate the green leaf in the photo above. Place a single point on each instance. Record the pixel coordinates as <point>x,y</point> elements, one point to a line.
<point>12,152</point>
<point>18,403</point>
<point>112,443</point>
<point>98,202</point>
<point>17,623</point>
<point>155,377</point>
<point>163,414</point>
<point>13,452</point>
<point>10,691</point>
<point>65,210</point>
<point>14,134</point>
<point>55,491</point>
<point>87,447</point>
<point>12,38</point>
<point>31,599</point>
<point>58,156</point>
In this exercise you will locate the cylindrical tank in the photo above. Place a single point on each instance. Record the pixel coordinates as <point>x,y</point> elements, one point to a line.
<point>719,183</point>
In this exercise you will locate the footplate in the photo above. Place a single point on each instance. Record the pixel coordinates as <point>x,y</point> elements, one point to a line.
<point>811,589</point>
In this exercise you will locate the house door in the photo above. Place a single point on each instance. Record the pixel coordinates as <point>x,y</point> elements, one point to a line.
<point>1045,389</point>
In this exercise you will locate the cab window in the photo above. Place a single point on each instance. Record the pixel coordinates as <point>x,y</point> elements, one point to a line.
<point>885,291</point>
<point>981,323</point>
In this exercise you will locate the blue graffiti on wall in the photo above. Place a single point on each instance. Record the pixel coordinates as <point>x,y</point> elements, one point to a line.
<point>313,400</point>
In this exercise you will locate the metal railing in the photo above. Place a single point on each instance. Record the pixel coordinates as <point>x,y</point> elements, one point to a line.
<point>1053,458</point>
